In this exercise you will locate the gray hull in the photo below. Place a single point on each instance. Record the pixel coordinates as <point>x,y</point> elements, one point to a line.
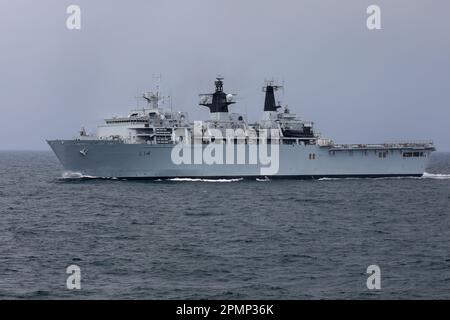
<point>110,159</point>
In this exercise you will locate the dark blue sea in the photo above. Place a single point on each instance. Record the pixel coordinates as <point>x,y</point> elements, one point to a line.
<point>245,239</point>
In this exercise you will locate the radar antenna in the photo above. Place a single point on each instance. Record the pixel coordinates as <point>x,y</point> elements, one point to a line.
<point>219,100</point>
<point>269,88</point>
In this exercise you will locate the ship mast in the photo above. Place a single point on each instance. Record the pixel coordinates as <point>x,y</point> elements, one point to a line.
<point>217,102</point>
<point>270,107</point>
<point>153,98</point>
<point>269,89</point>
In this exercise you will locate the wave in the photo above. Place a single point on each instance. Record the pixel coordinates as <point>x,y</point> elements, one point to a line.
<point>330,179</point>
<point>369,178</point>
<point>70,175</point>
<point>426,175</point>
<point>347,178</point>
<point>204,180</point>
<point>439,176</point>
<point>74,175</point>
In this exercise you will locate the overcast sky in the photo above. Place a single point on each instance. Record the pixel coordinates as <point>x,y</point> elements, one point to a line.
<point>357,85</point>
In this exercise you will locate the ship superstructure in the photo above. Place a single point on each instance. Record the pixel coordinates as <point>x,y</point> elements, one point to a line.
<point>149,125</point>
<point>152,142</point>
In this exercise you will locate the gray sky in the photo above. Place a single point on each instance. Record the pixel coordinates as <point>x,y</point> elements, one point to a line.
<point>356,85</point>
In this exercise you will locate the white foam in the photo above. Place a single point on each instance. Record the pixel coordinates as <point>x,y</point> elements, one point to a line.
<point>203,180</point>
<point>72,175</point>
<point>439,176</point>
<point>77,175</point>
<point>348,178</point>
<point>426,175</point>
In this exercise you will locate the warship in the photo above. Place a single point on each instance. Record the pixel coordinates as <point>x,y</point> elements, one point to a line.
<point>154,142</point>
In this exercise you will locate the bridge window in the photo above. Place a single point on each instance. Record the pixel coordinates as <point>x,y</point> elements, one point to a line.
<point>414,154</point>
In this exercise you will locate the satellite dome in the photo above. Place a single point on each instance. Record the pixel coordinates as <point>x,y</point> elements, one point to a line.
<point>204,99</point>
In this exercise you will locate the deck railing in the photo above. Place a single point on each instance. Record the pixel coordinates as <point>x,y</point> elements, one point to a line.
<point>393,144</point>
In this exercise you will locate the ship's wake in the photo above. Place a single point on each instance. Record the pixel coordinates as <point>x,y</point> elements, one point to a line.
<point>438,176</point>
<point>426,175</point>
<point>70,175</point>
<point>203,180</point>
